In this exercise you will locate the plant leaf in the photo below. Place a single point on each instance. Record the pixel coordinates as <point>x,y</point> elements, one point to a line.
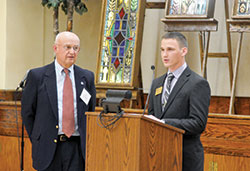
<point>44,2</point>
<point>81,8</point>
<point>54,3</point>
<point>65,6</point>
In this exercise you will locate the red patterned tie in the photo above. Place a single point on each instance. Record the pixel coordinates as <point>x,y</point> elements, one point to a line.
<point>68,121</point>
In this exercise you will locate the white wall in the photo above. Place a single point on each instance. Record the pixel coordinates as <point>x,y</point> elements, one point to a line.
<point>24,39</point>
<point>153,29</point>
<point>2,42</point>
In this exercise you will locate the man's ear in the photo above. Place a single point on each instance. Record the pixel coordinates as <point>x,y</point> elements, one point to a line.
<point>184,51</point>
<point>54,48</point>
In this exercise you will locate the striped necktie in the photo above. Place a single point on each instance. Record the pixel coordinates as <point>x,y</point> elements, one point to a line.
<point>170,78</point>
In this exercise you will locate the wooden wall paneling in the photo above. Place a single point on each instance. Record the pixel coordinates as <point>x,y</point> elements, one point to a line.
<point>10,147</point>
<point>9,95</point>
<point>227,135</point>
<point>218,104</point>
<point>226,142</point>
<point>9,118</point>
<point>231,163</point>
<point>10,155</point>
<point>242,105</point>
<point>208,161</point>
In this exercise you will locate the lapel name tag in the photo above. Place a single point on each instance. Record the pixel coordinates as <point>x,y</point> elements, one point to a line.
<point>158,91</point>
<point>85,96</point>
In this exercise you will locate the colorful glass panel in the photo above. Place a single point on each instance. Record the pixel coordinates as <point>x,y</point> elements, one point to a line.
<point>118,41</point>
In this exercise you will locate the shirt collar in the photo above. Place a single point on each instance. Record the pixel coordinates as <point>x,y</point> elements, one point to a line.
<point>177,73</point>
<point>59,68</point>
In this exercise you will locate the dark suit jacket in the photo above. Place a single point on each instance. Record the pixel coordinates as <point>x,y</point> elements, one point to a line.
<point>187,108</point>
<point>40,110</point>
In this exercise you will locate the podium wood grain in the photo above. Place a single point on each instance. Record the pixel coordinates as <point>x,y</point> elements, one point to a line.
<point>134,143</point>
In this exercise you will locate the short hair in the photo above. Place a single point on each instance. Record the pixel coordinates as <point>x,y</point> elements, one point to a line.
<point>181,39</point>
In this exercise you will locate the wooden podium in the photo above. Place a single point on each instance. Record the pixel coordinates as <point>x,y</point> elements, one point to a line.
<point>135,143</point>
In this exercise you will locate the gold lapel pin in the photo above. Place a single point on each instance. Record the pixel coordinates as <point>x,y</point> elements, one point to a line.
<point>158,91</point>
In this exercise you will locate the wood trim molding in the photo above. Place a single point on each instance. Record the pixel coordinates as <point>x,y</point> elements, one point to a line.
<point>155,5</point>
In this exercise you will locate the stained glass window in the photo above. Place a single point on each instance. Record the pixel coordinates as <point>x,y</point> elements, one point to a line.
<point>117,51</point>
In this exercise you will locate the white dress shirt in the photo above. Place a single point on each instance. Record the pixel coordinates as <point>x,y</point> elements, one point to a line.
<point>60,76</point>
<point>177,73</point>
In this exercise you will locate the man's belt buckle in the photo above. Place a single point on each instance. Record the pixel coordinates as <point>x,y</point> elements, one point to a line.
<point>62,138</point>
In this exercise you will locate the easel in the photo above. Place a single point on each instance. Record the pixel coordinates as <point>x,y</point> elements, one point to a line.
<point>227,55</point>
<point>238,26</point>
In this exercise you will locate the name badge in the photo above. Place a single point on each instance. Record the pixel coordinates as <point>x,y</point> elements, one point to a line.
<point>85,96</point>
<point>158,91</point>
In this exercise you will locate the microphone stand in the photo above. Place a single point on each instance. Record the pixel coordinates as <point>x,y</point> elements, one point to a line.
<point>22,148</point>
<point>153,76</point>
<point>21,85</point>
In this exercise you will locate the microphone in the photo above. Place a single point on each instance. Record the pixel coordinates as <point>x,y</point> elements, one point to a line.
<point>126,94</point>
<point>22,83</point>
<point>111,104</point>
<point>153,76</point>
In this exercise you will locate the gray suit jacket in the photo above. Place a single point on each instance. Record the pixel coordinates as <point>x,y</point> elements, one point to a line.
<point>40,110</point>
<point>187,108</point>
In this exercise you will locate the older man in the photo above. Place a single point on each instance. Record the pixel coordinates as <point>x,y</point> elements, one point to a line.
<point>54,102</point>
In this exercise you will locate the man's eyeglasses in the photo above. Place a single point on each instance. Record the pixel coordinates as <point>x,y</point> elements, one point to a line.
<point>69,47</point>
